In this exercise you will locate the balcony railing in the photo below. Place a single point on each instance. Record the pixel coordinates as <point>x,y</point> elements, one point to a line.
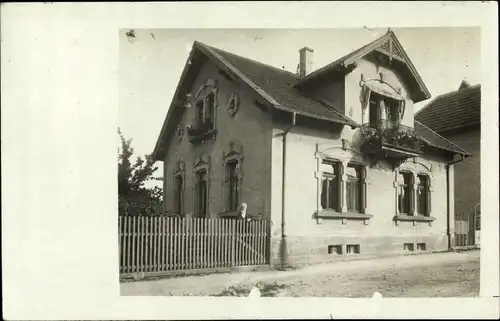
<point>200,130</point>
<point>386,133</point>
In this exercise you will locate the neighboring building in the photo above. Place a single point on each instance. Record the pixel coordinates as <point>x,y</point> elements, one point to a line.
<point>457,116</point>
<point>332,157</point>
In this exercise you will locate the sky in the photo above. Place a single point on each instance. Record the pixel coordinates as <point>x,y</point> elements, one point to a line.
<point>150,64</point>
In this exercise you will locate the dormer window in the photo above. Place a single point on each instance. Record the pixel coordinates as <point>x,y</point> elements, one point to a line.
<point>383,111</point>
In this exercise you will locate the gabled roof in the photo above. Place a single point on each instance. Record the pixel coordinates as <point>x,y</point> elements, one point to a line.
<point>388,44</point>
<point>453,110</point>
<point>276,86</point>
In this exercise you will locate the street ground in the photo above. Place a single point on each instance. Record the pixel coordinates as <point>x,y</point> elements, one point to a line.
<point>426,275</point>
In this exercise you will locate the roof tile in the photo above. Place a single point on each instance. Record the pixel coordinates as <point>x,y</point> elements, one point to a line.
<point>452,110</point>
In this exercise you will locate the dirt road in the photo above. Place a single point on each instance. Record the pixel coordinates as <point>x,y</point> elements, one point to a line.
<point>427,275</point>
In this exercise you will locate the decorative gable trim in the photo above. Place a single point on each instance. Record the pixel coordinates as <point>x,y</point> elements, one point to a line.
<point>388,44</point>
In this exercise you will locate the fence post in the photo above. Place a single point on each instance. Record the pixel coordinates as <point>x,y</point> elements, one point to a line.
<point>233,242</point>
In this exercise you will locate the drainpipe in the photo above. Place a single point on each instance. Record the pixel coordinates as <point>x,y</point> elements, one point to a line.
<point>283,188</point>
<point>448,223</point>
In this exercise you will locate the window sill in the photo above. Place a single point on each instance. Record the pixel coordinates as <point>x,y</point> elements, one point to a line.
<point>413,218</point>
<point>326,214</point>
<point>209,134</point>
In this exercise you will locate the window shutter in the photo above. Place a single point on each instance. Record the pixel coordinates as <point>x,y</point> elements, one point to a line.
<point>367,93</point>
<point>402,106</point>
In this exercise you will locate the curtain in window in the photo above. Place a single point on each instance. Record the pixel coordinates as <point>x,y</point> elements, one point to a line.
<point>331,186</point>
<point>405,195</point>
<point>353,189</point>
<point>402,107</point>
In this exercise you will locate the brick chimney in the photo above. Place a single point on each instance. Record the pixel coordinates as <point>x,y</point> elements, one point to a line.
<point>463,85</point>
<point>306,61</point>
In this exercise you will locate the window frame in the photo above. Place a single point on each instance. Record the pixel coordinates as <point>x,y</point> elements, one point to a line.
<point>198,201</point>
<point>233,185</point>
<point>210,110</point>
<point>409,192</point>
<point>232,155</point>
<point>360,186</point>
<point>425,190</point>
<point>341,212</point>
<point>414,215</point>
<point>383,104</point>
<point>336,178</point>
<point>179,173</point>
<point>201,164</point>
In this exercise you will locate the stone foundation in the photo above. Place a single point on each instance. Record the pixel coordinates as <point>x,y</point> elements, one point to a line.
<point>315,249</point>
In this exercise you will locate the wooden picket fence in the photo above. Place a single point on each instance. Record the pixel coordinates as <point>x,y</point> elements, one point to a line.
<point>164,244</point>
<point>465,229</point>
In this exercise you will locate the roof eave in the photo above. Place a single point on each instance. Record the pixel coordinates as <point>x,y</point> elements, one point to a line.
<point>187,67</point>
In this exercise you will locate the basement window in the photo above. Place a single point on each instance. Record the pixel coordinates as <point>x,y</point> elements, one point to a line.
<point>335,249</point>
<point>408,247</point>
<point>353,249</point>
<point>421,246</point>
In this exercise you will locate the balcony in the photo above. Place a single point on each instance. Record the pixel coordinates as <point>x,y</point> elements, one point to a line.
<point>201,131</point>
<point>392,141</point>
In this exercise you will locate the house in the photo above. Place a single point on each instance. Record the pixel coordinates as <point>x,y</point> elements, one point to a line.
<point>457,117</point>
<point>332,157</point>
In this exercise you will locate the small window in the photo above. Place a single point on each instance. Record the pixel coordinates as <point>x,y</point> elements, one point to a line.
<point>421,246</point>
<point>408,247</point>
<point>335,249</point>
<point>404,193</point>
<point>330,192</point>
<point>423,195</point>
<point>352,249</point>
<point>354,188</point>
